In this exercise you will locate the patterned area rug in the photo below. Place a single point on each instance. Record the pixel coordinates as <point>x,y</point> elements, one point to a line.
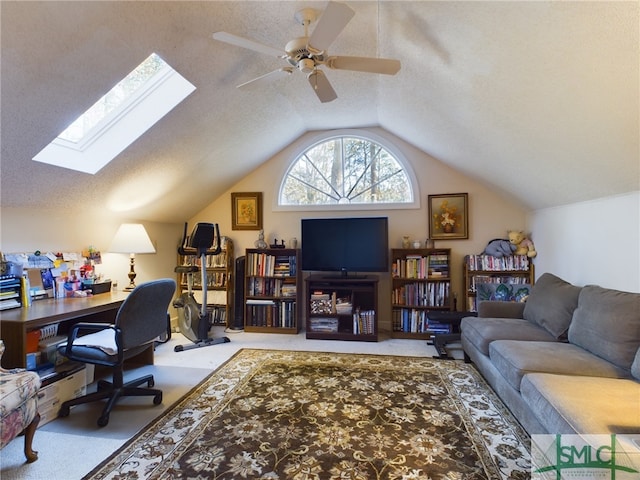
<point>305,415</point>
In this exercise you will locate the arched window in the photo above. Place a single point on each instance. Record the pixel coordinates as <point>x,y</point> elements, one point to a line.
<point>346,170</point>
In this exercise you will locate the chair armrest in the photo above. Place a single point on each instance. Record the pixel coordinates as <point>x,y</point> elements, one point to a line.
<point>496,309</point>
<point>87,327</point>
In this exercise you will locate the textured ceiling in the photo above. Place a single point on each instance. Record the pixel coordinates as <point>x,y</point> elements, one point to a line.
<point>538,99</point>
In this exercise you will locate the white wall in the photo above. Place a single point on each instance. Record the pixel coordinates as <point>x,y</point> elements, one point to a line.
<point>490,215</point>
<point>595,242</point>
<point>26,230</point>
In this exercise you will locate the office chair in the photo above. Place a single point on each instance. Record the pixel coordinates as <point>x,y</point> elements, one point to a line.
<point>142,317</point>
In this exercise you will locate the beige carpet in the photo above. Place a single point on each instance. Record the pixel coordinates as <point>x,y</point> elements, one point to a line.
<point>308,415</point>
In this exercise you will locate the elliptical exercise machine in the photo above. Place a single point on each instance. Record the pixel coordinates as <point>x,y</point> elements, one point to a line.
<point>194,320</point>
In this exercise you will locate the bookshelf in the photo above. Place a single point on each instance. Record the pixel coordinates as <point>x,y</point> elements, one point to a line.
<point>220,283</point>
<point>420,284</point>
<point>272,287</point>
<point>342,308</point>
<point>507,279</point>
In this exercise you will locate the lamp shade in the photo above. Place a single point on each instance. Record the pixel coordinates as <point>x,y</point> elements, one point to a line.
<point>131,238</point>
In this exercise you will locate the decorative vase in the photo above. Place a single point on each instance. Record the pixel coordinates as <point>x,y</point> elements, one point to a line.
<point>429,243</point>
<point>405,242</point>
<point>448,228</point>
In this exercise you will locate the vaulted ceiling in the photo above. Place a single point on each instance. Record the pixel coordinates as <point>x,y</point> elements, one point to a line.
<point>537,99</point>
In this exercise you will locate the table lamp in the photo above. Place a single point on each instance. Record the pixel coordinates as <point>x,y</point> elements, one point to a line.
<point>131,238</point>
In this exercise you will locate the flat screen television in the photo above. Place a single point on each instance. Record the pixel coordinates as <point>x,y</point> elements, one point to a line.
<point>345,245</point>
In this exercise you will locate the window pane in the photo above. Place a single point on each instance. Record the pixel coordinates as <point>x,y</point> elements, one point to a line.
<point>346,170</point>
<point>113,99</point>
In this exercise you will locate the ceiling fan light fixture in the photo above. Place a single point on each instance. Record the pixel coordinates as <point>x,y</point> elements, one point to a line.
<point>306,65</point>
<point>309,52</point>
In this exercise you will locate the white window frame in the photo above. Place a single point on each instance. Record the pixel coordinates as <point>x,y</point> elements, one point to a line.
<point>121,127</point>
<point>354,133</point>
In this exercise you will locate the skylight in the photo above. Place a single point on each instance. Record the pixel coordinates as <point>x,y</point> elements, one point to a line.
<point>117,119</point>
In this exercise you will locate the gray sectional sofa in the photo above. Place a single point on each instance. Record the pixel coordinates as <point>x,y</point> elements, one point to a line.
<point>566,361</point>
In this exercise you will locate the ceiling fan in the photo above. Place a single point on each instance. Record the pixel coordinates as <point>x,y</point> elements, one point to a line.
<point>308,53</point>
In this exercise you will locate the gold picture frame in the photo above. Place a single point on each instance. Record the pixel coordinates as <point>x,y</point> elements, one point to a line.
<point>448,216</point>
<point>246,211</point>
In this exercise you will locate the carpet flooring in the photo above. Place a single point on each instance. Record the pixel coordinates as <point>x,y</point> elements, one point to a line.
<point>310,415</point>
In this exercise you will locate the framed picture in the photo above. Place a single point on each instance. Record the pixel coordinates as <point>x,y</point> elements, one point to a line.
<point>246,211</point>
<point>448,216</point>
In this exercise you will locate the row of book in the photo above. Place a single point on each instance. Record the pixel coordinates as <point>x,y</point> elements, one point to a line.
<point>270,287</point>
<point>434,294</point>
<point>266,265</point>
<point>267,313</point>
<point>421,266</point>
<point>212,261</point>
<point>477,280</point>
<point>417,321</point>
<point>491,263</point>
<point>217,314</point>
<point>364,322</point>
<point>324,324</point>
<point>214,279</point>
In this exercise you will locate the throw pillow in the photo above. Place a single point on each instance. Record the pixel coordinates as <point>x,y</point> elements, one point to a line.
<point>635,366</point>
<point>551,304</point>
<point>607,323</point>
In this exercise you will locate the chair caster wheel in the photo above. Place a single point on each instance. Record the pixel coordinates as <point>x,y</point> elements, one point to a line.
<point>103,420</point>
<point>64,412</point>
<point>157,399</point>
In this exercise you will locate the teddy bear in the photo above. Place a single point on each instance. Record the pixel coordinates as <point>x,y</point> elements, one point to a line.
<point>524,246</point>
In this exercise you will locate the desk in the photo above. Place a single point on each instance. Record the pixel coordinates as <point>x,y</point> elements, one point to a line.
<point>14,324</point>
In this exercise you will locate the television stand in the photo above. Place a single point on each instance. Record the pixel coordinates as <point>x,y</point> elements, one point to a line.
<point>345,276</point>
<point>342,308</point>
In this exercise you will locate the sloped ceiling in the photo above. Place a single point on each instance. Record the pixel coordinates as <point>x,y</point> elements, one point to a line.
<point>537,99</point>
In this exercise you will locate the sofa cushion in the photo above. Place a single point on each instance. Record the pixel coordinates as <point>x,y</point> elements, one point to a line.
<point>584,405</point>
<point>607,323</point>
<point>514,359</point>
<point>551,304</point>
<point>500,309</point>
<point>480,332</point>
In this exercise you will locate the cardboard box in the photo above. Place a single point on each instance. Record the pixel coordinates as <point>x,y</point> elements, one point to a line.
<point>53,395</point>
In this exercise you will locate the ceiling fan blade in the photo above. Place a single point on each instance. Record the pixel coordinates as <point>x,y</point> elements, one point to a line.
<point>246,43</point>
<point>268,77</point>
<point>333,20</point>
<point>322,87</point>
<point>385,66</point>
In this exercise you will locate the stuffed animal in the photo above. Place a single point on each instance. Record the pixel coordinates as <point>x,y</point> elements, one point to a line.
<point>523,245</point>
<point>499,247</point>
